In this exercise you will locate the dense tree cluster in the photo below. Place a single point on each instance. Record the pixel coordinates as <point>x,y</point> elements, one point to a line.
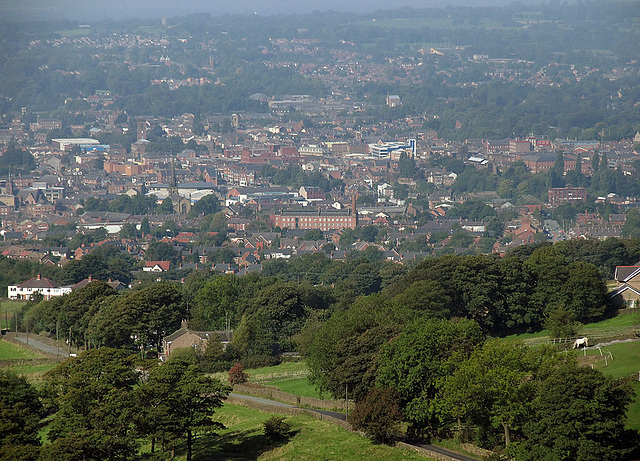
<point>103,405</point>
<point>97,316</point>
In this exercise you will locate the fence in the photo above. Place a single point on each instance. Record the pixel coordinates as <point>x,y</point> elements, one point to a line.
<point>288,411</point>
<point>272,393</point>
<point>594,336</point>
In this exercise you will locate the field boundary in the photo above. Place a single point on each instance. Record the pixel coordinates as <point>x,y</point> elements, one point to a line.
<point>594,336</point>
<point>289,410</point>
<point>273,393</point>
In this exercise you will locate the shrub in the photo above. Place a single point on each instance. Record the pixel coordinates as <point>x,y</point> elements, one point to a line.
<point>237,375</point>
<point>276,428</point>
<point>561,323</point>
<point>378,415</point>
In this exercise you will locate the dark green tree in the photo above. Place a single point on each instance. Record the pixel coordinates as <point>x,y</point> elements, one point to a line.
<point>20,413</point>
<point>161,251</point>
<point>343,351</point>
<point>93,394</point>
<point>579,414</point>
<point>215,303</point>
<point>494,387</point>
<point>209,204</point>
<point>406,166</point>
<point>139,319</point>
<point>416,362</point>
<point>145,229</point>
<point>179,401</point>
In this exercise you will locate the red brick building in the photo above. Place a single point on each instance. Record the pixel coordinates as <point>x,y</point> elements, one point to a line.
<point>315,219</point>
<point>561,195</point>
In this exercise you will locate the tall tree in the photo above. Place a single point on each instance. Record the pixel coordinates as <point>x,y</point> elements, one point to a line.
<point>141,318</point>
<point>416,362</point>
<point>20,413</point>
<point>494,387</point>
<point>579,414</point>
<point>95,406</point>
<point>343,351</point>
<point>179,402</point>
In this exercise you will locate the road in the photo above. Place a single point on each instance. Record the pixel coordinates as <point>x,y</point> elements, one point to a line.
<point>41,346</point>
<point>442,451</point>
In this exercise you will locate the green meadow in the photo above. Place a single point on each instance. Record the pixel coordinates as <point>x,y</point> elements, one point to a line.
<point>311,439</point>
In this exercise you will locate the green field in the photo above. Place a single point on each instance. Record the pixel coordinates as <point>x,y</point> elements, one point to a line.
<point>311,440</point>
<point>633,413</point>
<point>289,377</point>
<point>618,325</point>
<point>24,362</point>
<point>300,387</point>
<point>32,371</point>
<point>626,359</point>
<point>285,368</point>
<point>10,351</point>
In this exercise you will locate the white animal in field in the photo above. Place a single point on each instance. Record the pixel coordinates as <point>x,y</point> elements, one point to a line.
<point>580,342</point>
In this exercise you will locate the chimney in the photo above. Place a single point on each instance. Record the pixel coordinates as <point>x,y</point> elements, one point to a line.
<point>39,277</point>
<point>91,278</point>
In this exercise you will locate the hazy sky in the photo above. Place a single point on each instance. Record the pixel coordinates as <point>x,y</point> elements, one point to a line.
<point>92,10</point>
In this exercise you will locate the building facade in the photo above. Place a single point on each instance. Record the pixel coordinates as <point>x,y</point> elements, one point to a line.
<point>323,220</point>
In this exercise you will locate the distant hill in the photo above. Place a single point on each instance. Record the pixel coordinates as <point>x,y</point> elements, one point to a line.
<point>94,10</point>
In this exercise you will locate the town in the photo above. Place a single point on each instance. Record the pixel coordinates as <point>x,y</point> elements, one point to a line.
<point>419,224</point>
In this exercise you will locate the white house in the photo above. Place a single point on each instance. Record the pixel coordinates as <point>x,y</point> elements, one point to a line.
<point>48,288</point>
<point>156,266</point>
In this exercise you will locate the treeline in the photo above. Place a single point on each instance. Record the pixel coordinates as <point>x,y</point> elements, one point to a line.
<point>96,316</point>
<point>277,310</point>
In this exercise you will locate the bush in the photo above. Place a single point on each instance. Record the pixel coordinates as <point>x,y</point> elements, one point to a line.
<point>276,428</point>
<point>561,323</point>
<point>237,375</point>
<point>259,361</point>
<point>378,415</point>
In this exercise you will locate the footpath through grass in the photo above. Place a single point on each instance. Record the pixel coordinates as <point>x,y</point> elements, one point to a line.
<point>311,439</point>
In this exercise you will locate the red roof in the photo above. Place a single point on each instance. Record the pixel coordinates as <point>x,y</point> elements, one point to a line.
<point>164,265</point>
<point>39,282</point>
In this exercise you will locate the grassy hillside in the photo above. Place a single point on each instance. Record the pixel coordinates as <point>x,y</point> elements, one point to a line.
<point>289,377</point>
<point>617,360</point>
<point>312,439</point>
<point>10,351</point>
<point>622,324</point>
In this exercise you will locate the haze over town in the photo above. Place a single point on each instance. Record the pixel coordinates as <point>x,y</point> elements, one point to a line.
<point>415,221</point>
